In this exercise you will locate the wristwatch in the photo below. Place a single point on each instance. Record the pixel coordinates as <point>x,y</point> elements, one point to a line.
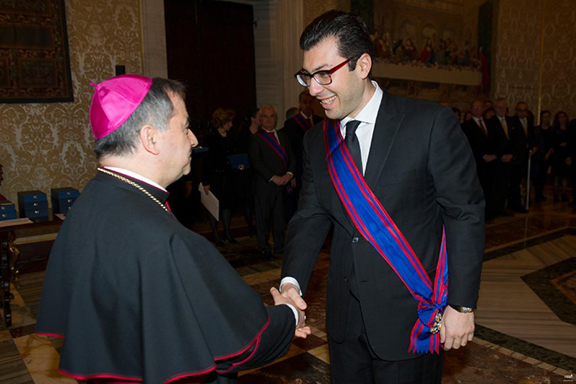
<point>462,309</point>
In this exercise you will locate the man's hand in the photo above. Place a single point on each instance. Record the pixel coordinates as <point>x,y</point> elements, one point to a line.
<point>457,328</point>
<point>489,158</point>
<point>206,189</point>
<point>278,180</point>
<point>290,291</point>
<point>301,329</point>
<point>506,158</point>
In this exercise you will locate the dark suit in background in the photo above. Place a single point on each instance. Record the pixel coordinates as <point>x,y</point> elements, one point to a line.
<point>522,141</point>
<point>503,149</point>
<point>483,142</point>
<point>269,197</point>
<point>296,127</point>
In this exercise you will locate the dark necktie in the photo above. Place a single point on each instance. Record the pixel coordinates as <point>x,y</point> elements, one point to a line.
<point>353,144</point>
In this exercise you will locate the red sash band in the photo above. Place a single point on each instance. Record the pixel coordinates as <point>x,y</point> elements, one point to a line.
<point>275,146</point>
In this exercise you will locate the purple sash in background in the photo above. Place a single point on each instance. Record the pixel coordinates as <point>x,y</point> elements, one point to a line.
<point>275,146</point>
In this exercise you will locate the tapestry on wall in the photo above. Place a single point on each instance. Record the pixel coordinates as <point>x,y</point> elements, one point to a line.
<point>34,59</point>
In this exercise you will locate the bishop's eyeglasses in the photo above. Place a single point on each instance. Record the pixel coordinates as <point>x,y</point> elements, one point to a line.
<point>323,77</point>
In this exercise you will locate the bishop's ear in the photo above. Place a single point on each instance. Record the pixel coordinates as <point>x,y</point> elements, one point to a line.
<point>149,138</point>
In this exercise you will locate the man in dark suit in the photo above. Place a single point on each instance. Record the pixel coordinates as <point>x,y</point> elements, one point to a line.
<point>482,141</point>
<point>522,137</point>
<point>295,127</point>
<point>500,125</point>
<point>416,162</point>
<point>272,160</point>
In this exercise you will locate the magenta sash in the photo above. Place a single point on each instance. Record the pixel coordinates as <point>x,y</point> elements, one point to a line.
<point>275,146</point>
<point>378,228</point>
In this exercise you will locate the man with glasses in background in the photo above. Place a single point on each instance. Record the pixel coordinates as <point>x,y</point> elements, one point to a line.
<point>389,175</point>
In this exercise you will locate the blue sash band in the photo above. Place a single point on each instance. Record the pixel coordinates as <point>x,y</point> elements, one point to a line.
<point>302,122</point>
<point>275,146</point>
<point>378,228</point>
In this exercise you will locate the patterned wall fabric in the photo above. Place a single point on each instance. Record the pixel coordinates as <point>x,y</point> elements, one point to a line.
<point>518,45</point>
<point>314,8</point>
<point>559,66</point>
<point>45,146</point>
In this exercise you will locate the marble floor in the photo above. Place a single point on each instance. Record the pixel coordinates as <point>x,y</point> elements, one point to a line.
<point>526,321</point>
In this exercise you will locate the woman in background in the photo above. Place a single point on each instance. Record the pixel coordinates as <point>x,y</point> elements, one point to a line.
<point>217,174</point>
<point>562,161</point>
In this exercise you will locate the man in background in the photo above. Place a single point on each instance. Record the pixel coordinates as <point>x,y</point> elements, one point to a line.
<point>272,160</point>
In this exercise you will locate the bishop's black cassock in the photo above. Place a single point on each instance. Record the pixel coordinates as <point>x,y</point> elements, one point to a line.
<point>137,296</point>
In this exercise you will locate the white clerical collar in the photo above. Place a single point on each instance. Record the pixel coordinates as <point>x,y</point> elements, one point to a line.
<point>136,176</point>
<point>369,113</point>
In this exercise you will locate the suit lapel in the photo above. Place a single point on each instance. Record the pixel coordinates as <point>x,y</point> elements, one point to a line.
<point>387,125</point>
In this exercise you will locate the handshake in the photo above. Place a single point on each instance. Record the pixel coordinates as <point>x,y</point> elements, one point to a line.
<point>291,295</point>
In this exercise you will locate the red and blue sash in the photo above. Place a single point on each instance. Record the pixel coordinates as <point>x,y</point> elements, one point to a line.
<point>275,145</point>
<point>378,228</point>
<point>302,122</point>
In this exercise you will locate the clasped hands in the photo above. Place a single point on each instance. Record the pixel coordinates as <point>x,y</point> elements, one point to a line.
<point>283,180</point>
<point>291,295</point>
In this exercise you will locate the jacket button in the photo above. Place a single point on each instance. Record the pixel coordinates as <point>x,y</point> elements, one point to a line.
<point>346,279</point>
<point>355,240</point>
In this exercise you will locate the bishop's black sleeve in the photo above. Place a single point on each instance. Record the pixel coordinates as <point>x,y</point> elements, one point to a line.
<point>273,343</point>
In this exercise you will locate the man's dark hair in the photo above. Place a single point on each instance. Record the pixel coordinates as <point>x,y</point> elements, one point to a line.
<point>156,110</point>
<point>350,31</point>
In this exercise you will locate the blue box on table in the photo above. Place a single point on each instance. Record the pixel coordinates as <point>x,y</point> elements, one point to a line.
<point>63,198</point>
<point>33,205</point>
<point>7,210</point>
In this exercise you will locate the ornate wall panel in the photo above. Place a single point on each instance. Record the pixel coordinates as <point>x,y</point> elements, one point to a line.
<point>518,51</point>
<point>559,65</point>
<point>44,146</point>
<point>314,8</point>
<point>520,29</point>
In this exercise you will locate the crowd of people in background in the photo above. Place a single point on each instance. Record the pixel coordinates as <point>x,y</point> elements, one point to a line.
<point>512,153</point>
<point>253,166</point>
<point>508,147</point>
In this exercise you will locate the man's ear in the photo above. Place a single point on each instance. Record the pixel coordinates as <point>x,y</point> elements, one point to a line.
<point>365,64</point>
<point>149,137</point>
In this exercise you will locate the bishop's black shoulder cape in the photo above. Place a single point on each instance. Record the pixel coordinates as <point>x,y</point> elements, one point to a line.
<point>136,295</point>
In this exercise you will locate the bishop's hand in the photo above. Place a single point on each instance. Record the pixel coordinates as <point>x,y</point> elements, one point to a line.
<point>302,330</point>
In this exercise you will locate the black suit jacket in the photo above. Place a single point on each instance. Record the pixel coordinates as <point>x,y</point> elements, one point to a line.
<point>266,163</point>
<point>419,169</point>
<point>521,142</point>
<point>296,136</point>
<point>503,143</point>
<point>482,143</point>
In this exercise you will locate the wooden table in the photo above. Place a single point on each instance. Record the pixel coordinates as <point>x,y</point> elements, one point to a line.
<point>9,254</point>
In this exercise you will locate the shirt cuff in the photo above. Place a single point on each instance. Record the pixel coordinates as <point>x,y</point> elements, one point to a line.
<point>290,280</point>
<point>295,312</point>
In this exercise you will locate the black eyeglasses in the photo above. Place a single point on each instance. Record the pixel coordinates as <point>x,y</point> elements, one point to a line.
<point>323,77</point>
